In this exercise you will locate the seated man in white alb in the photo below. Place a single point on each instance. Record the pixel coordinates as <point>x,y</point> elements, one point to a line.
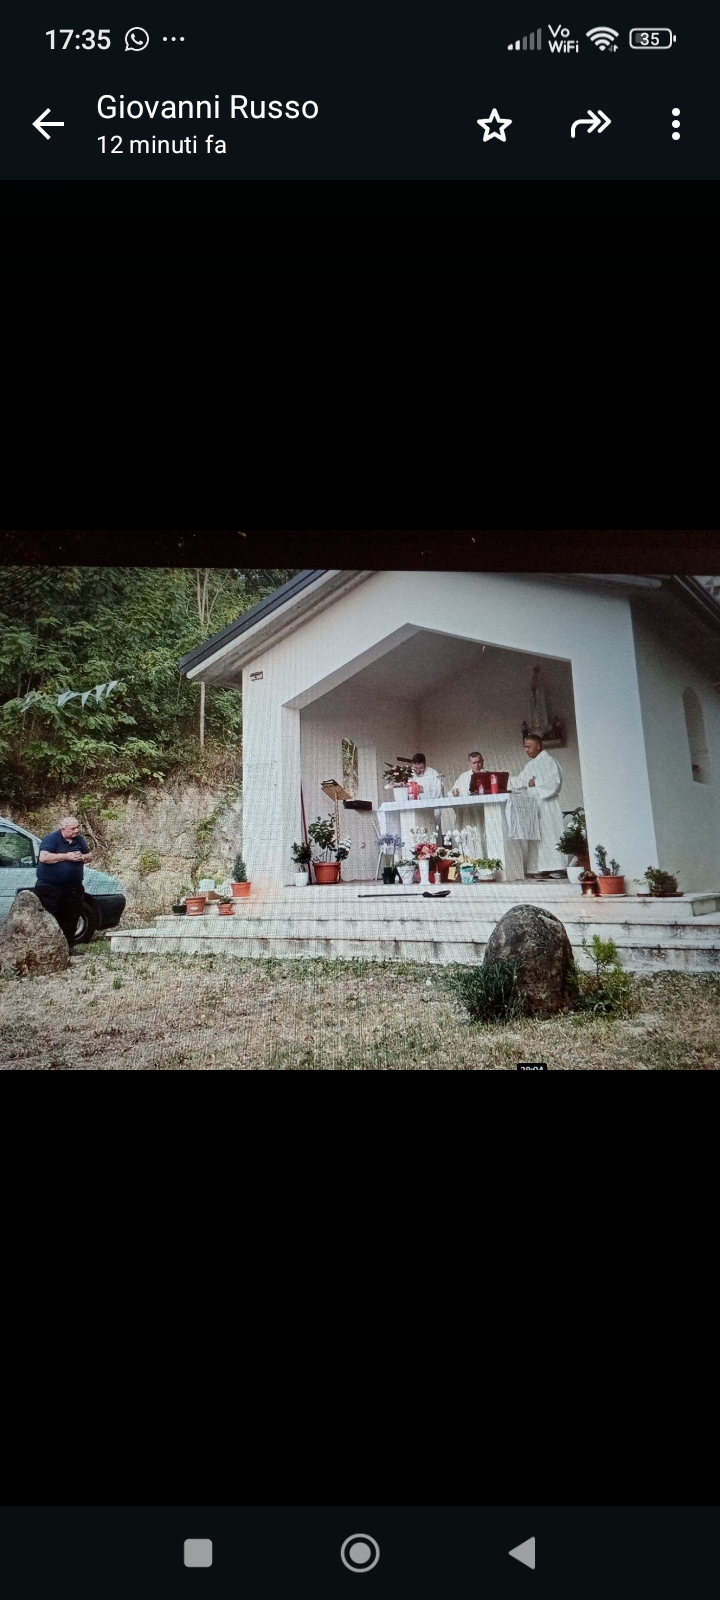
<point>469,823</point>
<point>467,783</point>
<point>427,779</point>
<point>542,777</point>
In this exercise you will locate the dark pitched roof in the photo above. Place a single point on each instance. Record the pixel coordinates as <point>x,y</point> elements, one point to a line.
<point>287,591</point>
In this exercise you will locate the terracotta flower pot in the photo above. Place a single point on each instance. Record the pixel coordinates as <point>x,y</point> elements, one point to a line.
<point>327,871</point>
<point>443,867</point>
<point>195,905</point>
<point>226,911</point>
<point>241,891</point>
<point>611,885</point>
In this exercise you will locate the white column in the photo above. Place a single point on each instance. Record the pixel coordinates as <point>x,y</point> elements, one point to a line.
<point>291,782</point>
<point>613,763</point>
<point>271,786</point>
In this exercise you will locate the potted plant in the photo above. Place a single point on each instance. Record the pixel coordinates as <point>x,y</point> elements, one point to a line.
<point>240,886</point>
<point>388,843</point>
<point>588,881</point>
<point>573,842</point>
<point>195,905</point>
<point>661,884</point>
<point>180,907</point>
<point>302,856</point>
<point>406,869</point>
<point>610,879</point>
<point>329,851</point>
<point>397,778</point>
<point>485,868</point>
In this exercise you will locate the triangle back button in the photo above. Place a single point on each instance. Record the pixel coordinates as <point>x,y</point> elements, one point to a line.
<point>525,1552</point>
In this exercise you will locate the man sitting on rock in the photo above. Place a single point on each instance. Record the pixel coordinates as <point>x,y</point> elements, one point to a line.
<point>59,885</point>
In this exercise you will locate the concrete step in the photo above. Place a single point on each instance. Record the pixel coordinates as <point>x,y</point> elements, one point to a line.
<point>689,956</point>
<point>336,923</point>
<point>473,908</point>
<point>647,949</point>
<point>410,927</point>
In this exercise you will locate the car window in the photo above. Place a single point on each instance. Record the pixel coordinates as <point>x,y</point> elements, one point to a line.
<point>15,850</point>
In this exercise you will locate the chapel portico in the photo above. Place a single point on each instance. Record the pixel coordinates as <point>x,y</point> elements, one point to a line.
<point>343,672</point>
<point>391,662</point>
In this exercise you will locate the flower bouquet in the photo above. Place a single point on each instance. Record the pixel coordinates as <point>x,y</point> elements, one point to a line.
<point>447,861</point>
<point>425,851</point>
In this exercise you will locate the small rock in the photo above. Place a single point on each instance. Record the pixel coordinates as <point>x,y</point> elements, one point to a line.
<point>31,941</point>
<point>537,941</point>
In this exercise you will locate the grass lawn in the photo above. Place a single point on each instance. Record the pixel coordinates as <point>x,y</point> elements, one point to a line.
<point>144,1013</point>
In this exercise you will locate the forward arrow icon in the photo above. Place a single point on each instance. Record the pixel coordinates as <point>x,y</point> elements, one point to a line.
<point>42,125</point>
<point>593,120</point>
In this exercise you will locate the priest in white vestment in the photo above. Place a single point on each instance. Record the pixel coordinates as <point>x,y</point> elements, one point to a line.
<point>464,784</point>
<point>427,779</point>
<point>542,777</point>
<point>468,821</point>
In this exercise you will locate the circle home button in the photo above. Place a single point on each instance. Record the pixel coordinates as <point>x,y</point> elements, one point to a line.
<point>360,1552</point>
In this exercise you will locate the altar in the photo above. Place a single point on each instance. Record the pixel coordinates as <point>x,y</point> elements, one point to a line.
<point>404,816</point>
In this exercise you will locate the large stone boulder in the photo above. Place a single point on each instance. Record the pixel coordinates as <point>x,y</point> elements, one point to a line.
<point>538,943</point>
<point>30,939</point>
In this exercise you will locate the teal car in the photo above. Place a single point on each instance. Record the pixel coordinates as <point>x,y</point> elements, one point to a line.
<point>104,901</point>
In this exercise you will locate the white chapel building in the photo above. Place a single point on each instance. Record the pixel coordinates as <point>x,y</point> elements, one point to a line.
<point>342,672</point>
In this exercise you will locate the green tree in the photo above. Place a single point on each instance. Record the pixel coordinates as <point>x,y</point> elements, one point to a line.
<point>70,628</point>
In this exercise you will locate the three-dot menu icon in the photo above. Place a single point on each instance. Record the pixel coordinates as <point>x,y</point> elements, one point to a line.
<point>676,122</point>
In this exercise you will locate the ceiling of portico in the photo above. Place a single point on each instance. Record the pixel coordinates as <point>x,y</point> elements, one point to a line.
<point>418,666</point>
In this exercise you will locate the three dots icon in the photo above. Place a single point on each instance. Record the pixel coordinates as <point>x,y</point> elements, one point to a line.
<point>172,39</point>
<point>676,124</point>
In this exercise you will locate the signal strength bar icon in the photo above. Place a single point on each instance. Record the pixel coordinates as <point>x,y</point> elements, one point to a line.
<point>528,42</point>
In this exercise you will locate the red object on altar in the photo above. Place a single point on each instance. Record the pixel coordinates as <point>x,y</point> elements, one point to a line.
<point>490,782</point>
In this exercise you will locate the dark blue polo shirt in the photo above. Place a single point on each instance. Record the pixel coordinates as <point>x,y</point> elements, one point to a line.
<point>61,872</point>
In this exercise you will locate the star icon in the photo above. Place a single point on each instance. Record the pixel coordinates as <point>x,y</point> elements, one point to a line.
<point>497,132</point>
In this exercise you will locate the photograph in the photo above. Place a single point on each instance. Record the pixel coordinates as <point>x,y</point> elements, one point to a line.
<point>358,820</point>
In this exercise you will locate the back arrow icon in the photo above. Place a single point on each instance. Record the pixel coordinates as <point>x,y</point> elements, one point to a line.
<point>42,125</point>
<point>594,121</point>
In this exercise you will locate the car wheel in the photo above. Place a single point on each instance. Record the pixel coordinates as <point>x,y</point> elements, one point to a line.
<point>88,924</point>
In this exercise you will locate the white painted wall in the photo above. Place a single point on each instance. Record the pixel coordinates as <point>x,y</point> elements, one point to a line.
<point>375,730</point>
<point>591,630</point>
<point>687,814</point>
<point>483,709</point>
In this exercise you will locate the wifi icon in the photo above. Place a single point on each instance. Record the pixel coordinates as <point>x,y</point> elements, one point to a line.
<point>604,38</point>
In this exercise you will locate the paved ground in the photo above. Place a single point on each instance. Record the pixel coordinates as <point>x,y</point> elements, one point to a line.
<point>139,1013</point>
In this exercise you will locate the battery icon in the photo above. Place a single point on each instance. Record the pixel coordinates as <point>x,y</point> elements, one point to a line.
<point>651,38</point>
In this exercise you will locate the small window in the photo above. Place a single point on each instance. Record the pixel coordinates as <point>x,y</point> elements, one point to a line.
<point>15,850</point>
<point>350,767</point>
<point>695,724</point>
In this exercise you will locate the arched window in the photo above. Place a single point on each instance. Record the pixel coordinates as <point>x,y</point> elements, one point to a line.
<point>695,724</point>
